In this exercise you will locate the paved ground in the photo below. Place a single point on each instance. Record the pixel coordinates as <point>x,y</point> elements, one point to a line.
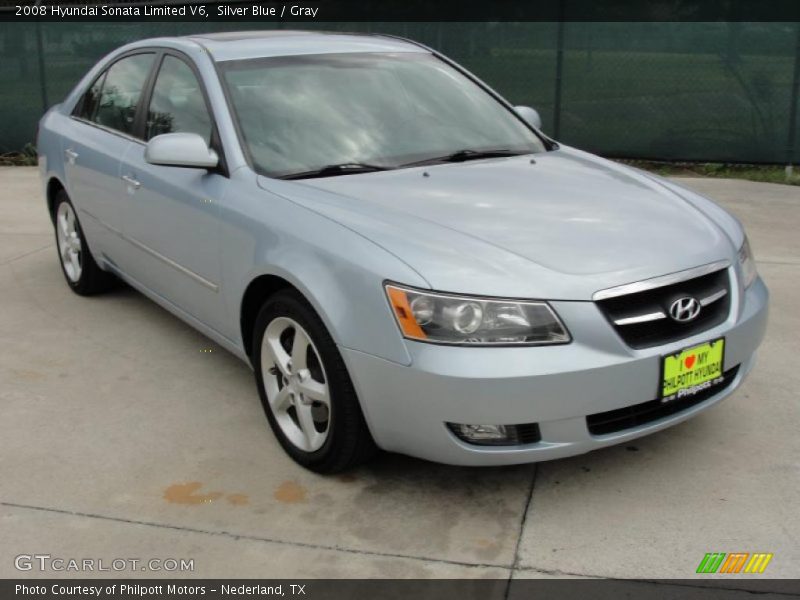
<point>120,438</point>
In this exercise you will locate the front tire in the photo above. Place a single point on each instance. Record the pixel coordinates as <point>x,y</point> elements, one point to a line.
<point>305,389</point>
<point>80,270</point>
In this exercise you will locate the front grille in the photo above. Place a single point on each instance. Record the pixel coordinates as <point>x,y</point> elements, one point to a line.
<point>646,412</point>
<point>642,318</point>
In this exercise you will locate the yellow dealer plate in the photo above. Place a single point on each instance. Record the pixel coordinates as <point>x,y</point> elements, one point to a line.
<point>692,370</point>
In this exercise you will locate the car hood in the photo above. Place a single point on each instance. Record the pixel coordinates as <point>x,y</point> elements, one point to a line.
<point>561,226</point>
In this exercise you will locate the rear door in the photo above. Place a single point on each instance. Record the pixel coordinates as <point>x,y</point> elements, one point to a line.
<point>99,134</point>
<point>170,213</point>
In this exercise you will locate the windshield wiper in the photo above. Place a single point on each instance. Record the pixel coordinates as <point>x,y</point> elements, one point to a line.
<point>467,154</point>
<point>340,169</point>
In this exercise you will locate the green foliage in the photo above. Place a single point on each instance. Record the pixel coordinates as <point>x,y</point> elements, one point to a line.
<point>27,157</point>
<point>760,173</point>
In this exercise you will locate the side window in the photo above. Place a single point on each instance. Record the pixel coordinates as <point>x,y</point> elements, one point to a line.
<point>91,99</point>
<point>177,104</point>
<point>120,92</point>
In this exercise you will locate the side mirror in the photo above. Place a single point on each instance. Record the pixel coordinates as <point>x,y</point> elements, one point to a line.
<point>180,150</point>
<point>530,115</point>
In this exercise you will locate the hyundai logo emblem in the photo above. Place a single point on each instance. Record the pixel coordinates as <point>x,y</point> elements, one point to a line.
<point>684,309</point>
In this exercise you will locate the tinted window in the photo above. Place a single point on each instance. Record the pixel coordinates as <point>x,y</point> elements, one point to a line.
<point>121,91</point>
<point>299,113</point>
<point>91,98</point>
<point>177,104</point>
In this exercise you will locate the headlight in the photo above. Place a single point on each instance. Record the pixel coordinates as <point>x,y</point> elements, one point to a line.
<point>448,319</point>
<point>747,264</point>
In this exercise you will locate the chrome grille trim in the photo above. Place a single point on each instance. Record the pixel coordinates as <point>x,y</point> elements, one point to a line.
<point>642,320</point>
<point>713,297</point>
<point>654,316</point>
<point>661,281</point>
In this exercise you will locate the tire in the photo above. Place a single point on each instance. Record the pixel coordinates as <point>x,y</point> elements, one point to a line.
<point>294,384</point>
<point>80,270</point>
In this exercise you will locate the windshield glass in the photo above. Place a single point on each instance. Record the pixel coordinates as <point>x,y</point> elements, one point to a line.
<point>302,113</point>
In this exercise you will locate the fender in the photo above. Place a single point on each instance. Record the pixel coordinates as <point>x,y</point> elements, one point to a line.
<point>339,272</point>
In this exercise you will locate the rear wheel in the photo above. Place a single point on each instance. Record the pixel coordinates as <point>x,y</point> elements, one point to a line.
<point>305,388</point>
<point>79,267</point>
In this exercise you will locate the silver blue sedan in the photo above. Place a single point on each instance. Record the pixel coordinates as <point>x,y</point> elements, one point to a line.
<point>406,260</point>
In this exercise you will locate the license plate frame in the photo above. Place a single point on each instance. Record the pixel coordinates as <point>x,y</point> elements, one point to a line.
<point>695,387</point>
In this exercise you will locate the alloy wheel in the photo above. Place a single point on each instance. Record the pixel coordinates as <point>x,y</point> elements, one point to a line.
<point>69,242</point>
<point>295,384</point>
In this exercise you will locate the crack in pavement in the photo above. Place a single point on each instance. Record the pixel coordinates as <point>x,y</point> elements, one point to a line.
<point>255,538</point>
<point>523,520</point>
<point>512,568</point>
<point>21,256</point>
<point>786,262</point>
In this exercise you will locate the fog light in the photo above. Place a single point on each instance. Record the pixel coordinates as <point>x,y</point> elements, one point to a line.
<point>479,433</point>
<point>496,435</point>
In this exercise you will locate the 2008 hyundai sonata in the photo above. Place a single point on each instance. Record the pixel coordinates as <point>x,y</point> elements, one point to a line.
<point>406,261</point>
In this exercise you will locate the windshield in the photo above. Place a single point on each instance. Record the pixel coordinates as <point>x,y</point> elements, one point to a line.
<point>298,114</point>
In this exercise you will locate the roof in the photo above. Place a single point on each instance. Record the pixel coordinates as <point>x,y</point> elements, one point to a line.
<point>237,45</point>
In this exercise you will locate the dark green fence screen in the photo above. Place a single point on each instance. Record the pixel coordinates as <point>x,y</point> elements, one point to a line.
<point>671,91</point>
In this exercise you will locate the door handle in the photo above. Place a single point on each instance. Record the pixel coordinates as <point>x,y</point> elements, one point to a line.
<point>70,155</point>
<point>134,183</point>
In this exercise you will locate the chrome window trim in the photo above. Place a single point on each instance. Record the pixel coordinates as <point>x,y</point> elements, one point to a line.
<point>661,281</point>
<point>110,130</point>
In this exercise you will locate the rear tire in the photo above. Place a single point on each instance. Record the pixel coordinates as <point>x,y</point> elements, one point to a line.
<point>80,270</point>
<point>305,389</point>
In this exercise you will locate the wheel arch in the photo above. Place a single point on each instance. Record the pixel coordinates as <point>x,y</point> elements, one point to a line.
<point>257,291</point>
<point>350,302</point>
<point>338,271</point>
<point>54,186</point>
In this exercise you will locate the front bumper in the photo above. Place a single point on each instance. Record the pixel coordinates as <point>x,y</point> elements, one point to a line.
<point>407,407</point>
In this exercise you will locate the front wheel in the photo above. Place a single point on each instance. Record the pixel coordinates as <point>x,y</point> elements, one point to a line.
<point>305,389</point>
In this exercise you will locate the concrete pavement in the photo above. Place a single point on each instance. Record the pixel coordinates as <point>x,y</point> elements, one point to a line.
<point>123,437</point>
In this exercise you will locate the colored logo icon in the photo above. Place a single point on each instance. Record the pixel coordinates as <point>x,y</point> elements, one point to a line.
<point>734,562</point>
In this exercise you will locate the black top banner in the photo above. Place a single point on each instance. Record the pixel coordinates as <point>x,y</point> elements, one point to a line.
<point>405,10</point>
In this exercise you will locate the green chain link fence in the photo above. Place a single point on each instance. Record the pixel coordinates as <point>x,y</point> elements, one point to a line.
<point>660,91</point>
